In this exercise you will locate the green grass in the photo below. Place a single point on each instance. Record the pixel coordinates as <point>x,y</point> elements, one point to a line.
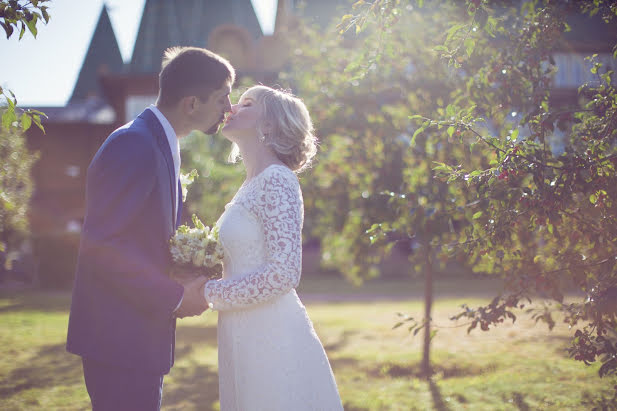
<point>513,367</point>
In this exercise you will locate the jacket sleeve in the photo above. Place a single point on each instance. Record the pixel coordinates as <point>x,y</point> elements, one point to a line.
<point>120,180</point>
<point>280,210</point>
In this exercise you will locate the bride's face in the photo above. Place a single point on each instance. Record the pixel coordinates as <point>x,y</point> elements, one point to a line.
<point>243,120</point>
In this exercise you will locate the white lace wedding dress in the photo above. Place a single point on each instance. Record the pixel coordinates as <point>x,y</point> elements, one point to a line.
<point>270,357</point>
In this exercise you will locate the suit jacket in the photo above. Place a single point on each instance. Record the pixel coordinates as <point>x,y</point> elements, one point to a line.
<point>123,299</point>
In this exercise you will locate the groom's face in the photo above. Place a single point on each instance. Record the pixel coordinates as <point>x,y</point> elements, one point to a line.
<point>211,112</point>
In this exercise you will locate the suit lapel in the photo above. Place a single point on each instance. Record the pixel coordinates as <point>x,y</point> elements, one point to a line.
<point>161,139</point>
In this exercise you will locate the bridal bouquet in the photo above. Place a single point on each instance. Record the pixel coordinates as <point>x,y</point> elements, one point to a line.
<point>196,251</point>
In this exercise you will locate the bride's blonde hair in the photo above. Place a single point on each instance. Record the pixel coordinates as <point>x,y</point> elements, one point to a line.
<point>285,126</point>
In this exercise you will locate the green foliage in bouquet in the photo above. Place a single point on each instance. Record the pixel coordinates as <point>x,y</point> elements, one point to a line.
<point>196,251</point>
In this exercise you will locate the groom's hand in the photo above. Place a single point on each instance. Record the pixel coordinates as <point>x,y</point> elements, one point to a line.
<point>193,301</point>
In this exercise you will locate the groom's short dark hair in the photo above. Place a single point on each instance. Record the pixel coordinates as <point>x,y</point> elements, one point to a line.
<point>192,71</point>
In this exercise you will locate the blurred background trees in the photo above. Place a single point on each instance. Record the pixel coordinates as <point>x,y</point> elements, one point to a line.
<point>442,136</point>
<point>15,159</point>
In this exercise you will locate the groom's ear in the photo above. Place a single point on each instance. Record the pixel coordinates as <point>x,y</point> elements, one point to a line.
<point>188,104</point>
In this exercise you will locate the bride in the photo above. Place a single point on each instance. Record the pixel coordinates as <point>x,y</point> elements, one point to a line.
<point>270,357</point>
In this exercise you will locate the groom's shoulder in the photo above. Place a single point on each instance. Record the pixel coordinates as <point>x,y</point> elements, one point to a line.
<point>132,131</point>
<point>130,139</point>
<point>136,126</point>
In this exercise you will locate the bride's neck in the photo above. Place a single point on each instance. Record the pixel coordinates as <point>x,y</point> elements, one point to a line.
<point>257,158</point>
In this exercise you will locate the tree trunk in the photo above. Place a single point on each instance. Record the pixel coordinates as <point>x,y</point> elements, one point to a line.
<point>428,305</point>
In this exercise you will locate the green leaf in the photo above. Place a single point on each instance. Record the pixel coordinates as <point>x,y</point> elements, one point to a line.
<point>470,44</point>
<point>26,122</point>
<point>37,120</point>
<point>450,131</point>
<point>8,118</point>
<point>45,14</point>
<point>441,166</point>
<point>592,198</point>
<point>415,134</point>
<point>514,134</point>
<point>358,4</point>
<point>453,30</point>
<point>477,215</point>
<point>32,27</point>
<point>8,28</point>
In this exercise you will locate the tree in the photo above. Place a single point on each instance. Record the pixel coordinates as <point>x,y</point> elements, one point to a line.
<point>15,180</point>
<point>19,15</point>
<point>373,183</point>
<point>446,110</point>
<point>16,186</point>
<point>218,179</point>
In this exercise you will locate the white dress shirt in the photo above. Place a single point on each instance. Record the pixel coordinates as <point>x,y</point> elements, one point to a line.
<point>174,145</point>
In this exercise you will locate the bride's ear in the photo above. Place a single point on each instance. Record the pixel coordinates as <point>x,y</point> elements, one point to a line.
<point>266,128</point>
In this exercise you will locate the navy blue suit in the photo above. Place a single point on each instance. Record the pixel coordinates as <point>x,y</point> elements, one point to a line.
<point>123,299</point>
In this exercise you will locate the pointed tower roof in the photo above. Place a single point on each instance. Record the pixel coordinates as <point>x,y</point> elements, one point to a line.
<point>103,55</point>
<point>167,23</point>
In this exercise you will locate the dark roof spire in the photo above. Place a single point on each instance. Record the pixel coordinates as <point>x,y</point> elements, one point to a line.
<point>103,55</point>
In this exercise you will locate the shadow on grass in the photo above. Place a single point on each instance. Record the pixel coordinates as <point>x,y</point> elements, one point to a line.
<point>189,337</point>
<point>36,300</point>
<point>438,402</point>
<point>519,401</point>
<point>194,387</point>
<point>342,341</point>
<point>394,370</point>
<point>50,367</point>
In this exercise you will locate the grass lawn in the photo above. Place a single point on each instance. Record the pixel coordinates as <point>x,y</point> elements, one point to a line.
<point>513,367</point>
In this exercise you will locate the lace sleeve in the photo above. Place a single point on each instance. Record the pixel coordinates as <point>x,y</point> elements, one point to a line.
<point>278,205</point>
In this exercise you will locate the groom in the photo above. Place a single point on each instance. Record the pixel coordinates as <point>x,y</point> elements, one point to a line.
<point>124,307</point>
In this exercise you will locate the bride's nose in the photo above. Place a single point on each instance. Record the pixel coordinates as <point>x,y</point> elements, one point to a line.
<point>234,108</point>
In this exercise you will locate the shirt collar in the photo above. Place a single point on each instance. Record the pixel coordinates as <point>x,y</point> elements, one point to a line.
<point>172,138</point>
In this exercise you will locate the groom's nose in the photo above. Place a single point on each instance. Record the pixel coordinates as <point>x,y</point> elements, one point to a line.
<point>234,108</point>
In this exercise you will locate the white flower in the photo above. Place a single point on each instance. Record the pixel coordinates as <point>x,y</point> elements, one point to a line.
<point>198,245</point>
<point>199,258</point>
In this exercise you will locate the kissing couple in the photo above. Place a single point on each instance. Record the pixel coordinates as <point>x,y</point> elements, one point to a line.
<point>125,304</point>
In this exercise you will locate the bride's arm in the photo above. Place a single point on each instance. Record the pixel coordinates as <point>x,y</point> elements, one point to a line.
<point>280,209</point>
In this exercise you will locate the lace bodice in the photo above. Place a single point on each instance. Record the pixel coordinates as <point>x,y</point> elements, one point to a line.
<point>261,233</point>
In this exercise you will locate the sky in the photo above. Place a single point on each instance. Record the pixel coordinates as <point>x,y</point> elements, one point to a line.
<point>43,71</point>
